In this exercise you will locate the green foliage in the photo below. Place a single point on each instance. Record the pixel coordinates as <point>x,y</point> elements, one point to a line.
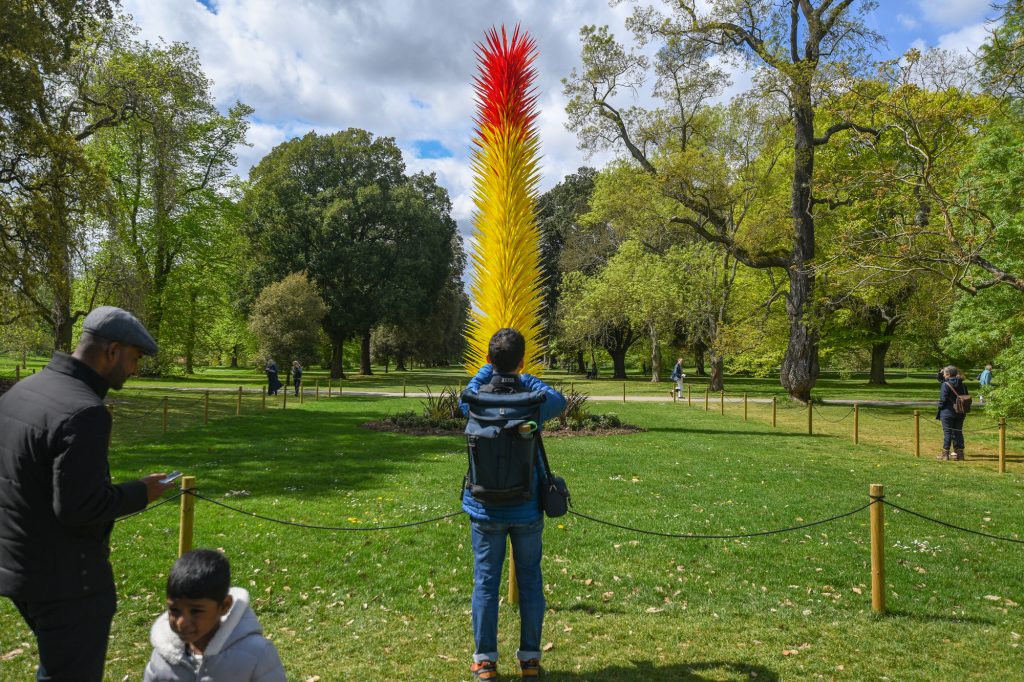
<point>443,406</point>
<point>286,320</point>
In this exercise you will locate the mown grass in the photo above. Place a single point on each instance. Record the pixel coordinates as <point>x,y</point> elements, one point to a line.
<point>622,606</point>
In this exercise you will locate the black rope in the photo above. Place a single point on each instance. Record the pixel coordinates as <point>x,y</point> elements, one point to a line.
<point>172,498</point>
<point>831,421</point>
<point>901,418</point>
<point>315,527</point>
<point>955,527</point>
<point>696,536</point>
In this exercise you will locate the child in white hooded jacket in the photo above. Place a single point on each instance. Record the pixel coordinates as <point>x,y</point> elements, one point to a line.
<point>209,633</point>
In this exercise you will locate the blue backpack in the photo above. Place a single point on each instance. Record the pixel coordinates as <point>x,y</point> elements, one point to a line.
<point>502,440</point>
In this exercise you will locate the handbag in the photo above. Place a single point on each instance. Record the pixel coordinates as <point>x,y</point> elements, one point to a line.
<point>554,494</point>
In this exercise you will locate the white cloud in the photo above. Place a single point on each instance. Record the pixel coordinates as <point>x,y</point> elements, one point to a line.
<point>953,12</point>
<point>966,40</point>
<point>907,21</point>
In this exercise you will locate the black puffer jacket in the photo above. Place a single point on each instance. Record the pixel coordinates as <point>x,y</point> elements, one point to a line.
<point>57,503</point>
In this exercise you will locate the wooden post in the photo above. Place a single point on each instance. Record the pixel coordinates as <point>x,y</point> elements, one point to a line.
<point>403,387</point>
<point>856,423</point>
<point>329,382</point>
<point>689,403</point>
<point>302,393</point>
<point>1003,443</point>
<point>810,417</point>
<point>721,401</point>
<point>238,403</point>
<point>513,583</point>
<point>264,398</point>
<point>17,373</point>
<point>572,387</point>
<point>623,391</point>
<point>318,389</point>
<point>877,492</point>
<point>744,407</point>
<point>110,436</point>
<point>186,515</point>
<point>917,433</point>
<point>672,392</point>
<point>773,412</point>
<point>284,399</point>
<point>165,415</point>
<point>707,396</point>
<point>206,409</point>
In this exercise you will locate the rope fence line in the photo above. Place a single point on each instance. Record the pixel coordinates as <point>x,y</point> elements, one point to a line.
<point>832,421</point>
<point>1001,538</point>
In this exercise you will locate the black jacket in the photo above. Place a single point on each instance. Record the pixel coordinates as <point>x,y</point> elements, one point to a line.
<point>947,397</point>
<point>57,503</point>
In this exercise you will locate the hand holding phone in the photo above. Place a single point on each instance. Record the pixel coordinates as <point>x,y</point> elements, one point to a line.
<point>173,476</point>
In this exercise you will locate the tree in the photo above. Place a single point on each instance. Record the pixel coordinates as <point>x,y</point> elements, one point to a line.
<point>801,47</point>
<point>286,319</point>
<point>377,243</point>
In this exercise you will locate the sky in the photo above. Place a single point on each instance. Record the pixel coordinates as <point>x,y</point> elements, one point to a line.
<point>404,68</point>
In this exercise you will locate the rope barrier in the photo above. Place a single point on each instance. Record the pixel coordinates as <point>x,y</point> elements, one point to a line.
<point>316,527</point>
<point>172,498</point>
<point>955,527</point>
<point>696,536</point>
<point>831,421</point>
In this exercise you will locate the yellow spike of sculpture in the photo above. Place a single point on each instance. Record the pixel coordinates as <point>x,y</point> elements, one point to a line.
<point>506,281</point>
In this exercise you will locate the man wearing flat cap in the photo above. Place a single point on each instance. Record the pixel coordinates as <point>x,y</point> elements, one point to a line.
<point>57,502</point>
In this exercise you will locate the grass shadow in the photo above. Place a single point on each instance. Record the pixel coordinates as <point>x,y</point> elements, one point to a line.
<point>645,671</point>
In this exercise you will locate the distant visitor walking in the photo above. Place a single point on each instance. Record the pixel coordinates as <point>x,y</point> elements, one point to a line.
<point>273,383</point>
<point>954,402</point>
<point>296,375</point>
<point>678,376</point>
<point>985,379</point>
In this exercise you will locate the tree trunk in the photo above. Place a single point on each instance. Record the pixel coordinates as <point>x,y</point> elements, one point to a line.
<point>698,358</point>
<point>190,335</point>
<point>878,353</point>
<point>234,356</point>
<point>799,371</point>
<point>364,355</point>
<point>655,357</point>
<point>337,349</point>
<point>581,362</point>
<point>717,381</point>
<point>400,362</point>
<point>618,361</point>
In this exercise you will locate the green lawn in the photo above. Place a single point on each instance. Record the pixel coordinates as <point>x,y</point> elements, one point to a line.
<point>622,606</point>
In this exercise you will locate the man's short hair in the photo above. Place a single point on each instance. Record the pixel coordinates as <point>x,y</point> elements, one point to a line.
<point>200,574</point>
<point>506,348</point>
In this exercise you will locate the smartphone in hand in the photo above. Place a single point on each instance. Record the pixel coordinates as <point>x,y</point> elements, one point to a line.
<point>173,476</point>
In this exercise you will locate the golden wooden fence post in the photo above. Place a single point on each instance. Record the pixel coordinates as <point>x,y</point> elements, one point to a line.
<point>302,393</point>
<point>403,387</point>
<point>318,389</point>
<point>513,583</point>
<point>165,415</point>
<point>263,392</point>
<point>810,417</point>
<point>284,399</point>
<point>707,397</point>
<point>623,391</point>
<point>877,492</point>
<point>238,403</point>
<point>773,412</point>
<point>917,433</point>
<point>721,401</point>
<point>689,403</point>
<point>186,515</point>
<point>1003,444</point>
<point>206,409</point>
<point>110,436</point>
<point>17,373</point>
<point>744,407</point>
<point>856,423</point>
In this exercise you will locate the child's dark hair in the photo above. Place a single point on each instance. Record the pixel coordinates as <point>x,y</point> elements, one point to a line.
<point>200,574</point>
<point>506,348</point>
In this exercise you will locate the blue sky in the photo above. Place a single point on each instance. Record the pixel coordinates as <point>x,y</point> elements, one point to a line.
<point>403,68</point>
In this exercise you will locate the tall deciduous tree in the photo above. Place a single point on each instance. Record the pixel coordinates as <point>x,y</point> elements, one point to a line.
<point>377,243</point>
<point>801,46</point>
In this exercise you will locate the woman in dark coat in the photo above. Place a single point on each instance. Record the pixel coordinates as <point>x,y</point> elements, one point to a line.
<point>273,383</point>
<point>952,421</point>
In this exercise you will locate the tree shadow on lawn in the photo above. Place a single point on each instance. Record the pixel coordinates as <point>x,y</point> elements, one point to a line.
<point>293,454</point>
<point>938,618</point>
<point>646,671</point>
<point>774,433</point>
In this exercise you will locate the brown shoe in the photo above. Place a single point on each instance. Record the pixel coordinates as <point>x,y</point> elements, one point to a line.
<point>484,670</point>
<point>943,456</point>
<point>530,669</point>
<point>958,454</point>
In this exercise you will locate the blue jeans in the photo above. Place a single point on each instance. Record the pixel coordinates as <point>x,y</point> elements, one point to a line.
<point>952,429</point>
<point>488,556</point>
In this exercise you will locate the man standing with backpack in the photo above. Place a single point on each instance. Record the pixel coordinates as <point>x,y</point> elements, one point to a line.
<point>502,496</point>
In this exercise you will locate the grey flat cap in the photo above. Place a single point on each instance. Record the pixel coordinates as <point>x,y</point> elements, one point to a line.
<point>119,325</point>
